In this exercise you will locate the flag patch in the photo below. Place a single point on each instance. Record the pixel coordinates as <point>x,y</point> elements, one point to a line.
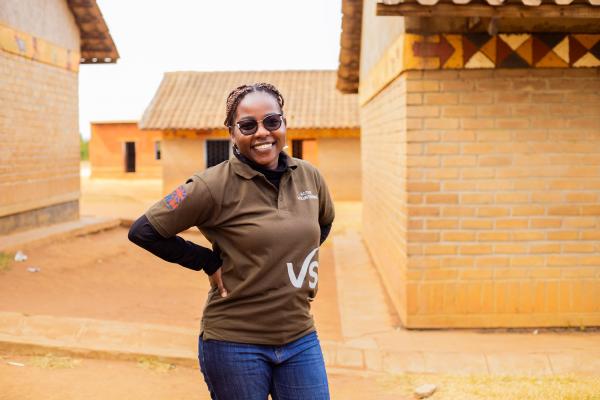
<point>174,199</point>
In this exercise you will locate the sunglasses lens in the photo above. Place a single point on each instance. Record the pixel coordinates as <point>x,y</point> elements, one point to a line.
<point>272,122</point>
<point>248,127</point>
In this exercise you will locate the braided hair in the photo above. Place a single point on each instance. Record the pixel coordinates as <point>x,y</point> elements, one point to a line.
<point>240,92</point>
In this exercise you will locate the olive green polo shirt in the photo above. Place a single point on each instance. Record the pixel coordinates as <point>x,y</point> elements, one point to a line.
<point>269,241</point>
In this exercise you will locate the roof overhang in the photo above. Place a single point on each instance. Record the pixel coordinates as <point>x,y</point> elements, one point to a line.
<point>490,8</point>
<point>97,45</point>
<point>350,41</point>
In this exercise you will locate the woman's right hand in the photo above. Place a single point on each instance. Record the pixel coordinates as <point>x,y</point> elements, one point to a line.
<point>216,279</point>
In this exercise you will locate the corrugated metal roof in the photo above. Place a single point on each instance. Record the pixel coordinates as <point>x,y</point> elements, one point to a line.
<point>196,100</point>
<point>531,3</point>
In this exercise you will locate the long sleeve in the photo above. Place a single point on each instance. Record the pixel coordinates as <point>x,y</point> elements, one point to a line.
<point>173,249</point>
<point>325,229</point>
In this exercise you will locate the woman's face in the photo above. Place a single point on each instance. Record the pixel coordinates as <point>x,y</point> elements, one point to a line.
<point>262,147</point>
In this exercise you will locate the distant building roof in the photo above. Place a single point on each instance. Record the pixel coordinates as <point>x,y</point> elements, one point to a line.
<point>97,46</point>
<point>196,100</point>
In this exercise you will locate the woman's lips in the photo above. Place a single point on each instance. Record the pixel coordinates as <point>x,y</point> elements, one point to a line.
<point>263,147</point>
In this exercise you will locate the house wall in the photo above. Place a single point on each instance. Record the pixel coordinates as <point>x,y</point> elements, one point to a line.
<point>384,191</point>
<point>51,20</point>
<point>39,140</point>
<point>107,151</point>
<point>491,195</point>
<point>336,153</point>
<point>339,163</point>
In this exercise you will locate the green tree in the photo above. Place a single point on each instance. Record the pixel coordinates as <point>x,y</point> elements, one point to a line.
<point>84,148</point>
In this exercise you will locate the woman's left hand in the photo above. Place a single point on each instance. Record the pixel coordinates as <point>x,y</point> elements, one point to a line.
<point>217,280</point>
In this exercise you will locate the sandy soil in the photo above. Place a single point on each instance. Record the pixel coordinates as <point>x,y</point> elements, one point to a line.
<point>44,378</point>
<point>104,276</point>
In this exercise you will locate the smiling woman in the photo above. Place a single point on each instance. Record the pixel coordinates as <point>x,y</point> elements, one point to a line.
<point>266,215</point>
<point>258,132</point>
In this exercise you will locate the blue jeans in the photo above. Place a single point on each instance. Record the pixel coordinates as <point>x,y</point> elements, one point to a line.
<point>251,372</point>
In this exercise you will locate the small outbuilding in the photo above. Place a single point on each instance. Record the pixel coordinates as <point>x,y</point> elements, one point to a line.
<point>323,124</point>
<point>119,149</point>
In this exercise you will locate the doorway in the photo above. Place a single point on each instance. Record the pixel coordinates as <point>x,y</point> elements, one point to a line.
<point>129,156</point>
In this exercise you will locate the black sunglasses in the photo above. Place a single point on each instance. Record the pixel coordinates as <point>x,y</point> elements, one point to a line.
<point>250,126</point>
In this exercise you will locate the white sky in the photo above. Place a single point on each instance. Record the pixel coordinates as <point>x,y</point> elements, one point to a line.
<point>156,36</point>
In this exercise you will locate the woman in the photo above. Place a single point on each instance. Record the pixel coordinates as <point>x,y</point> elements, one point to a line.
<point>266,214</point>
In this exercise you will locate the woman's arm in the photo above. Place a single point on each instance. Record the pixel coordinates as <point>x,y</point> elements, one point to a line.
<point>325,229</point>
<point>174,249</point>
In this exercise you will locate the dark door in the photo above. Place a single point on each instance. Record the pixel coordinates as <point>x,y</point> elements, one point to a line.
<point>129,156</point>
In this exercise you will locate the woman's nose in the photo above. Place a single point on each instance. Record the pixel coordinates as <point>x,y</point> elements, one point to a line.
<point>261,131</point>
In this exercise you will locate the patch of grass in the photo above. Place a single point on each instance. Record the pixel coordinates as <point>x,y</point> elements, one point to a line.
<point>5,260</point>
<point>154,364</point>
<point>51,361</point>
<point>489,387</point>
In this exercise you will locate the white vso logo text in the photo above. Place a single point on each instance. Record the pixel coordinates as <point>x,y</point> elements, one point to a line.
<point>307,266</point>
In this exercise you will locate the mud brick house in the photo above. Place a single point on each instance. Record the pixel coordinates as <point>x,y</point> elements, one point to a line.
<point>480,141</point>
<point>119,149</point>
<point>42,44</point>
<point>323,125</point>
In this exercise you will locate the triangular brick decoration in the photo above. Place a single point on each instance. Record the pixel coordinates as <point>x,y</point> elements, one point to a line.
<point>540,49</point>
<point>468,49</point>
<point>525,51</point>
<point>587,61</point>
<point>514,41</point>
<point>576,49</point>
<point>552,60</point>
<point>444,50</point>
<point>596,50</point>
<point>479,60</point>
<point>587,40</point>
<point>456,59</point>
<point>503,50</point>
<point>478,39</point>
<point>513,61</point>
<point>562,50</point>
<point>489,49</point>
<point>550,39</point>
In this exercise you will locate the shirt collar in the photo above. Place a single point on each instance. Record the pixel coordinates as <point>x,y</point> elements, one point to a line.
<point>246,171</point>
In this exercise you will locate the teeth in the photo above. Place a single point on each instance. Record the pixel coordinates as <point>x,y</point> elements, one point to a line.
<point>263,146</point>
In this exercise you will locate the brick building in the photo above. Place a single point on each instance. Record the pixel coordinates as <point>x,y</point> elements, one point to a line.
<point>119,149</point>
<point>42,43</point>
<point>480,140</point>
<point>323,126</point>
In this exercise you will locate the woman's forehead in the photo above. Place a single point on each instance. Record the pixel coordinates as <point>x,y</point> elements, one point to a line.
<point>258,102</point>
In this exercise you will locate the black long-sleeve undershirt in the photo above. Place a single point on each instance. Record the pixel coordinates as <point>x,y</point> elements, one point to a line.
<point>174,249</point>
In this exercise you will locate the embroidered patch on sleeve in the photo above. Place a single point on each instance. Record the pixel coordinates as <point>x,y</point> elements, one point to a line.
<point>174,199</point>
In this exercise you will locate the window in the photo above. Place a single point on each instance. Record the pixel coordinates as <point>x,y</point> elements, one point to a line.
<point>217,151</point>
<point>157,150</point>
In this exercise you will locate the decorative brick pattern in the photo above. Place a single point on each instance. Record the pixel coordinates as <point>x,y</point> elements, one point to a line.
<point>524,50</point>
<point>34,48</point>
<point>481,51</point>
